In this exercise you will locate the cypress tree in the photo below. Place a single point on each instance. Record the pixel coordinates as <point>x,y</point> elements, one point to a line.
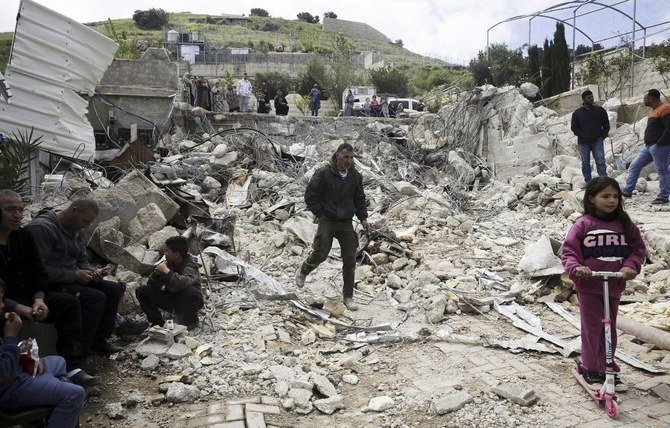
<point>546,69</point>
<point>534,65</point>
<point>560,61</point>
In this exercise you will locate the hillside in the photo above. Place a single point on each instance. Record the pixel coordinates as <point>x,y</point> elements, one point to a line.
<point>260,34</point>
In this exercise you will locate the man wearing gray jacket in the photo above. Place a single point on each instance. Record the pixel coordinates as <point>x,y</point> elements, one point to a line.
<point>59,237</point>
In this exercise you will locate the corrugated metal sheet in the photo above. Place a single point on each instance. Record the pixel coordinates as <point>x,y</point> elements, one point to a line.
<point>54,59</point>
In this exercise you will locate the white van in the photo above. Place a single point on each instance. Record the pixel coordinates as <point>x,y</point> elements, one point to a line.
<point>410,105</point>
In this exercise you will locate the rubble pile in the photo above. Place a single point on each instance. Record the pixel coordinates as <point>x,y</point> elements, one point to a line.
<point>449,239</point>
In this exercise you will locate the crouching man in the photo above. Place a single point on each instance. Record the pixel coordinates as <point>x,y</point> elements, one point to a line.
<point>173,287</point>
<point>59,236</point>
<point>20,390</point>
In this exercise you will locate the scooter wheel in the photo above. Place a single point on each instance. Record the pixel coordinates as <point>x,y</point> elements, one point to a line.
<point>611,407</point>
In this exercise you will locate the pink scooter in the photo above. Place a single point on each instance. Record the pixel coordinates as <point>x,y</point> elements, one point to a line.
<point>606,395</point>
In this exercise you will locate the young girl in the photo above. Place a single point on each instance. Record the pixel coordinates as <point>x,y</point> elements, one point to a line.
<point>604,239</point>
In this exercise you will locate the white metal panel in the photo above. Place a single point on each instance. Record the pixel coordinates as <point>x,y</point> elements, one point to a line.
<point>54,59</point>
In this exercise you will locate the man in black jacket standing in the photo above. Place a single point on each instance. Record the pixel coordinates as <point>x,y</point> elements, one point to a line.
<point>591,125</point>
<point>334,194</point>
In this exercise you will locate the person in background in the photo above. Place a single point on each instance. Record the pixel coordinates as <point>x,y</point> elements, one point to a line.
<point>603,239</point>
<point>218,97</point>
<point>374,106</point>
<point>281,105</point>
<point>349,104</point>
<point>173,287</point>
<point>20,390</point>
<point>366,107</point>
<point>26,283</point>
<point>233,100</point>
<point>263,102</point>
<point>244,91</point>
<point>314,100</point>
<point>591,125</point>
<point>384,106</point>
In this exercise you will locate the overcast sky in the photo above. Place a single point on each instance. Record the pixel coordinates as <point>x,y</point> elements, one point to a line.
<point>454,30</point>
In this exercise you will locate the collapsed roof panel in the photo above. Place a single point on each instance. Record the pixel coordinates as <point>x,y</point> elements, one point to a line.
<point>53,60</point>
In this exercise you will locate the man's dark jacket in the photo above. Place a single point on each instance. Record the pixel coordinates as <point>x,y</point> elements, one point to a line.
<point>23,271</point>
<point>335,198</point>
<point>589,124</point>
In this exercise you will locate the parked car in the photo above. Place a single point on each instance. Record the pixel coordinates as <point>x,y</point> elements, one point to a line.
<point>410,105</point>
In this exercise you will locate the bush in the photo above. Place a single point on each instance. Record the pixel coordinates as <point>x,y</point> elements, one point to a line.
<point>390,80</point>
<point>152,19</point>
<point>273,81</point>
<point>308,17</point>
<point>330,15</point>
<point>257,11</point>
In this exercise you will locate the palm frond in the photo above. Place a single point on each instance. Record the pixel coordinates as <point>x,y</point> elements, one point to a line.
<point>15,156</point>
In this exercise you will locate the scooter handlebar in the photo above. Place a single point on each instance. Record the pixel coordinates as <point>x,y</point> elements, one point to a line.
<point>605,274</point>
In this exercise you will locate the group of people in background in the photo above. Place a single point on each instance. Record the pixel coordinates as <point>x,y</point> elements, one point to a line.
<point>198,92</point>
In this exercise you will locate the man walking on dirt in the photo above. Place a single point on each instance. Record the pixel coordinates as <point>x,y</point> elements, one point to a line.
<point>591,125</point>
<point>334,194</point>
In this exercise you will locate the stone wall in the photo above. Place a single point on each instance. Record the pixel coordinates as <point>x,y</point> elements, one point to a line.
<point>144,87</point>
<point>237,65</point>
<point>353,29</point>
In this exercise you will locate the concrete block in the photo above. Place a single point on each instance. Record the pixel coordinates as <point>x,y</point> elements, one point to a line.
<point>255,420</point>
<point>235,412</point>
<point>262,408</point>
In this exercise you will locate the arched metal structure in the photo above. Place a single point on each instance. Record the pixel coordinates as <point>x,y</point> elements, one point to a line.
<point>575,6</point>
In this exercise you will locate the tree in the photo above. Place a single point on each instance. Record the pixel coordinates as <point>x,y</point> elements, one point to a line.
<point>152,19</point>
<point>583,49</point>
<point>546,89</point>
<point>505,66</point>
<point>610,71</point>
<point>257,11</point>
<point>330,15</point>
<point>398,43</point>
<point>534,64</point>
<point>481,72</point>
<point>424,79</point>
<point>343,70</point>
<point>390,80</point>
<point>661,60</point>
<point>560,61</point>
<point>308,17</point>
<point>128,49</point>
<point>314,73</point>
<point>273,81</point>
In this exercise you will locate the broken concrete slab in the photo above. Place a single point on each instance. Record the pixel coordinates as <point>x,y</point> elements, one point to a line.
<point>522,397</point>
<point>451,402</point>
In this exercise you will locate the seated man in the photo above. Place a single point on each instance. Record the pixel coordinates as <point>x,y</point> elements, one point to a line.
<point>173,287</point>
<point>19,390</point>
<point>23,272</point>
<point>60,242</point>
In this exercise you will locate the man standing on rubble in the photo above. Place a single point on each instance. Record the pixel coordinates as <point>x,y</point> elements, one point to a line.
<point>656,148</point>
<point>59,236</point>
<point>23,273</point>
<point>244,90</point>
<point>591,125</point>
<point>334,194</point>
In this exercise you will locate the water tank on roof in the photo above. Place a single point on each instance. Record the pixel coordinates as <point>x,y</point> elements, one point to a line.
<point>172,36</point>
